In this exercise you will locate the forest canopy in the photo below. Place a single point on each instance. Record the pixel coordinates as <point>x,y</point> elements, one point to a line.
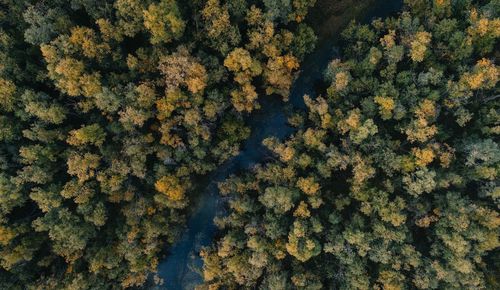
<point>114,113</point>
<point>391,181</point>
<point>109,113</point>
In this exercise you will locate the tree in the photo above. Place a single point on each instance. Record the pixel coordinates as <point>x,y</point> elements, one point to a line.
<point>240,62</point>
<point>91,134</point>
<point>171,187</point>
<point>164,21</point>
<point>182,69</point>
<point>304,42</point>
<point>221,35</point>
<point>280,199</point>
<point>69,233</point>
<point>278,9</point>
<point>83,166</point>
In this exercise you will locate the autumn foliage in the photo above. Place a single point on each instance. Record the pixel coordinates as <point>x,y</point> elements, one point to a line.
<point>109,111</point>
<point>391,181</point>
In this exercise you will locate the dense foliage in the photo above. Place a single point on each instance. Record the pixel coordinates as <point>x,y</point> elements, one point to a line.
<point>391,181</point>
<point>109,109</point>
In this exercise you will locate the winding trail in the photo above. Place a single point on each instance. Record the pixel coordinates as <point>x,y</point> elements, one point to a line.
<point>181,268</point>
